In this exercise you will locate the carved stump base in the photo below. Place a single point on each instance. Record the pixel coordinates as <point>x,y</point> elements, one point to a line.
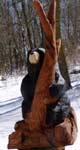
<point>23,139</point>
<point>57,137</point>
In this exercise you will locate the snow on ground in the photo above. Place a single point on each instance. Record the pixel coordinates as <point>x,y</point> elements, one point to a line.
<point>10,88</point>
<point>10,108</point>
<point>10,98</point>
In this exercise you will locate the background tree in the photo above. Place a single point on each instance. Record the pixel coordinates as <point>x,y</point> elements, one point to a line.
<point>62,59</point>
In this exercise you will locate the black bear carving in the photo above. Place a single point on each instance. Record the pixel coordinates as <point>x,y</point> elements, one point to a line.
<point>55,113</point>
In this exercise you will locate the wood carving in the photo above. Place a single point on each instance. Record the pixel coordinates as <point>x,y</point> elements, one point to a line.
<point>46,76</point>
<point>33,132</point>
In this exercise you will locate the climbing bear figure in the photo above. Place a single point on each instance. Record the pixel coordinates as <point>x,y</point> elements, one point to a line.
<point>35,59</point>
<point>55,113</point>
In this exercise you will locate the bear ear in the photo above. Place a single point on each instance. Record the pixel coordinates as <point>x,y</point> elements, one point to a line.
<point>41,49</point>
<point>34,57</point>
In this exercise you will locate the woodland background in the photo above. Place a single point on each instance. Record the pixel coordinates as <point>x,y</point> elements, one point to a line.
<point>20,30</point>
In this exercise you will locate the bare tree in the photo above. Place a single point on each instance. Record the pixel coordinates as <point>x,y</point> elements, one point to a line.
<point>62,59</point>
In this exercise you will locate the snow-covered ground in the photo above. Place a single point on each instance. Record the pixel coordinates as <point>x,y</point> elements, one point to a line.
<point>10,108</point>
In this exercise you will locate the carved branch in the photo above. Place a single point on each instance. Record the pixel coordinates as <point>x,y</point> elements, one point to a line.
<point>47,28</point>
<point>52,18</point>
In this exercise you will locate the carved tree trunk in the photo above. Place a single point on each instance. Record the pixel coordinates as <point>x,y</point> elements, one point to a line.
<point>42,97</point>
